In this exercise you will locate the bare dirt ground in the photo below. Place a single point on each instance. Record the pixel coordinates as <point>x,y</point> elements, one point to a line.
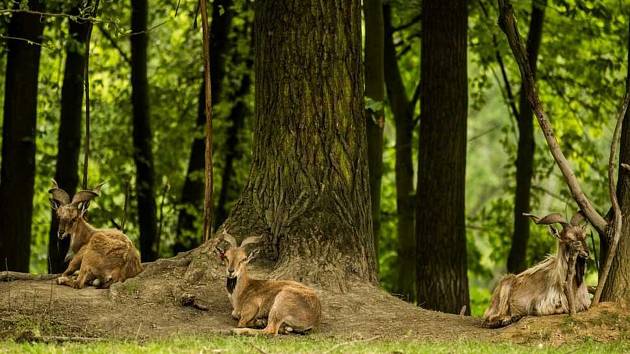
<point>150,307</point>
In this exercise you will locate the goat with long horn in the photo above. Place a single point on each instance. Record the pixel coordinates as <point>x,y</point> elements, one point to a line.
<point>553,286</point>
<point>102,256</point>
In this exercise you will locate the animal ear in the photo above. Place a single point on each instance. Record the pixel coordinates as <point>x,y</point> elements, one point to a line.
<point>252,255</point>
<point>54,204</point>
<point>82,210</point>
<point>220,252</point>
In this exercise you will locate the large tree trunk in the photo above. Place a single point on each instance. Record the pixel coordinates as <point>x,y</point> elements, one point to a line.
<point>69,136</point>
<point>617,286</point>
<point>18,139</point>
<point>308,189</point>
<point>375,118</point>
<point>143,156</point>
<point>188,231</point>
<point>525,153</point>
<point>440,210</point>
<point>403,115</point>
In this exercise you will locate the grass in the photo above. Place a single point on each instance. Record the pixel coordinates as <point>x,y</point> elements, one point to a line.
<point>229,344</point>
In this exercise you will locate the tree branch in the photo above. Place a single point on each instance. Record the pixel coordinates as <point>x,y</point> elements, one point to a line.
<point>114,44</point>
<point>508,25</point>
<point>413,21</point>
<point>615,230</point>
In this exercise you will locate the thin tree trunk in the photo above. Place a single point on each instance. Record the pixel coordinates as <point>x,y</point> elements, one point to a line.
<point>525,153</point>
<point>375,118</point>
<point>403,116</point>
<point>232,151</point>
<point>308,188</point>
<point>617,286</point>
<point>442,282</point>
<point>17,176</point>
<point>69,136</point>
<point>143,156</point>
<point>188,225</point>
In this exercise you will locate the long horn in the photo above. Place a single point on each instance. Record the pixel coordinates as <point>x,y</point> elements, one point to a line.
<point>577,219</point>
<point>549,219</point>
<point>59,195</point>
<point>250,240</point>
<point>229,239</point>
<point>87,195</point>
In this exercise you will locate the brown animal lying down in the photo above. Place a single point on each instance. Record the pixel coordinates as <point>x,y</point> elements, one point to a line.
<point>102,256</point>
<point>540,290</point>
<point>281,306</point>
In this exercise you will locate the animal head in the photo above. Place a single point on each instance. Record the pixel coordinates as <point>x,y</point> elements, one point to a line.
<point>69,211</point>
<point>573,233</point>
<point>236,257</point>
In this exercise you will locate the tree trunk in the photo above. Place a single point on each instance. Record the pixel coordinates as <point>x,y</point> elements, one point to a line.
<point>18,139</point>
<point>143,156</point>
<point>188,224</point>
<point>308,189</point>
<point>440,214</point>
<point>525,153</point>
<point>617,286</point>
<point>232,152</point>
<point>403,116</point>
<point>69,136</point>
<point>375,118</point>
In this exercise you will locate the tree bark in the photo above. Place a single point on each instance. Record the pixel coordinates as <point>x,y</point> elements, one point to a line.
<point>143,155</point>
<point>17,176</point>
<point>617,286</point>
<point>69,136</point>
<point>375,117</point>
<point>188,226</point>
<point>525,152</point>
<point>308,188</point>
<point>403,116</point>
<point>442,282</point>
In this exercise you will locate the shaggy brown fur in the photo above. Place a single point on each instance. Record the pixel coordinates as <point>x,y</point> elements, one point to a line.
<point>102,256</point>
<point>540,290</point>
<point>282,306</point>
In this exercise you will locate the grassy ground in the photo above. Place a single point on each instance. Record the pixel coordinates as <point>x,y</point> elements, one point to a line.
<point>230,344</point>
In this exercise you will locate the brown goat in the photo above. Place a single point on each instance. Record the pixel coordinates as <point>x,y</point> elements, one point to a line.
<point>102,256</point>
<point>285,306</point>
<point>541,290</point>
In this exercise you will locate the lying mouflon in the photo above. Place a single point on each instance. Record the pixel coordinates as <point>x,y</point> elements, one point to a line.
<point>102,256</point>
<point>283,305</point>
<point>540,290</point>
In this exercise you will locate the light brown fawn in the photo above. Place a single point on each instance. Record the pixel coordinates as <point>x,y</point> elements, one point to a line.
<point>102,256</point>
<point>286,306</point>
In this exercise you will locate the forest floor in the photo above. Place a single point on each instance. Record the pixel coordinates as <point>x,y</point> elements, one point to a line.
<point>149,308</point>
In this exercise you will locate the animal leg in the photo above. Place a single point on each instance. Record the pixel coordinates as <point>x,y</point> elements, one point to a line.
<point>73,266</point>
<point>499,314</point>
<point>85,277</point>
<point>248,316</point>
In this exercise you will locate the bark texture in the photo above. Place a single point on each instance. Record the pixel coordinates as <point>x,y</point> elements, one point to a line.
<point>189,234</point>
<point>69,135</point>
<point>403,116</point>
<point>442,282</point>
<point>17,176</point>
<point>375,117</point>
<point>308,189</point>
<point>617,286</point>
<point>525,151</point>
<point>143,155</point>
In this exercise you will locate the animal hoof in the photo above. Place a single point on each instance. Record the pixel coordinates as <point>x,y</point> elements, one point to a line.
<point>96,282</point>
<point>61,280</point>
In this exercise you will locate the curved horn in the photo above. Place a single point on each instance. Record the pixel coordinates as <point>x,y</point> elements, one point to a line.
<point>549,219</point>
<point>577,219</point>
<point>250,240</point>
<point>87,195</point>
<point>229,239</point>
<point>59,195</point>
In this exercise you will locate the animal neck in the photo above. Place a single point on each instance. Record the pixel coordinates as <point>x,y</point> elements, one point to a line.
<point>241,284</point>
<point>82,234</point>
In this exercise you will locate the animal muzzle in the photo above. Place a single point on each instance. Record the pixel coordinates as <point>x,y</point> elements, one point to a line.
<point>62,234</point>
